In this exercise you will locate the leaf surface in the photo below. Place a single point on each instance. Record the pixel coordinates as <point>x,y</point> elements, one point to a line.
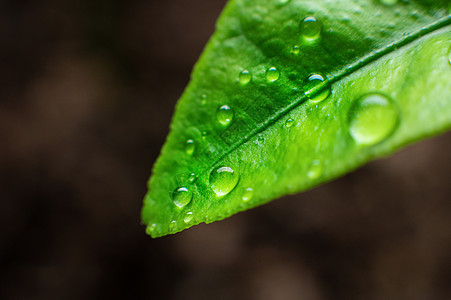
<point>290,94</point>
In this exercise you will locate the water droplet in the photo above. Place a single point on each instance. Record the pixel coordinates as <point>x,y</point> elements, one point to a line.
<point>295,50</point>
<point>224,115</point>
<point>181,196</point>
<point>204,135</point>
<point>192,177</point>
<point>223,180</point>
<point>315,170</point>
<point>389,2</point>
<point>172,226</point>
<point>372,119</point>
<point>289,123</point>
<point>151,229</point>
<point>188,217</point>
<point>449,55</point>
<point>204,99</point>
<point>245,77</point>
<point>311,29</point>
<point>261,140</point>
<point>272,74</point>
<point>247,195</point>
<point>315,83</point>
<point>190,146</point>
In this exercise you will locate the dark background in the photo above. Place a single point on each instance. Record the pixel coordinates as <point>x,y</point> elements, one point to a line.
<point>87,90</point>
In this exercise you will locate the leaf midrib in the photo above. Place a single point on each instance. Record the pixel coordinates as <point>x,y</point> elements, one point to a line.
<point>339,75</point>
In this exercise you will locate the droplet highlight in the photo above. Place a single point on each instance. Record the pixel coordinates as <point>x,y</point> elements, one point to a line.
<point>245,77</point>
<point>316,88</point>
<point>372,119</point>
<point>272,74</point>
<point>247,194</point>
<point>223,180</point>
<point>190,146</point>
<point>315,170</point>
<point>311,29</point>
<point>224,114</point>
<point>181,196</point>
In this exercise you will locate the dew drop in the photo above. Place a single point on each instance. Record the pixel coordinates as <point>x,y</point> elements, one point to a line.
<point>172,226</point>
<point>261,140</point>
<point>224,114</point>
<point>372,119</point>
<point>295,50</point>
<point>389,2</point>
<point>223,180</point>
<point>188,217</point>
<point>191,177</point>
<point>247,194</point>
<point>289,123</point>
<point>313,84</point>
<point>272,74</point>
<point>315,170</point>
<point>151,229</point>
<point>245,77</point>
<point>181,196</point>
<point>311,29</point>
<point>190,146</point>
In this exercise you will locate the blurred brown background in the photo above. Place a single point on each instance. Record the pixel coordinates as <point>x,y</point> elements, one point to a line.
<point>87,90</point>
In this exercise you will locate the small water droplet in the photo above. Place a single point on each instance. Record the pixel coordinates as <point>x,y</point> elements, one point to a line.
<point>151,229</point>
<point>372,119</point>
<point>192,177</point>
<point>289,123</point>
<point>272,74</point>
<point>313,84</point>
<point>188,217</point>
<point>245,77</point>
<point>223,180</point>
<point>315,170</point>
<point>224,114</point>
<point>204,99</point>
<point>204,135</point>
<point>247,194</point>
<point>181,196</point>
<point>295,50</point>
<point>172,226</point>
<point>311,29</point>
<point>389,2</point>
<point>190,146</point>
<point>261,140</point>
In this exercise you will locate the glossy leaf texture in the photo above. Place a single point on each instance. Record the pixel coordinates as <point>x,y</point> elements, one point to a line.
<point>290,94</point>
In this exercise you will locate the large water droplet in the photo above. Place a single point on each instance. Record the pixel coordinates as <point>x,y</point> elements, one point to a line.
<point>272,74</point>
<point>190,146</point>
<point>223,180</point>
<point>311,29</point>
<point>314,83</point>
<point>245,77</point>
<point>224,114</point>
<point>188,217</point>
<point>181,196</point>
<point>315,170</point>
<point>247,194</point>
<point>372,119</point>
<point>389,2</point>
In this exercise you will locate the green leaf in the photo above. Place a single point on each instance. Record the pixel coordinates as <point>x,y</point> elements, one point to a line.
<point>291,94</point>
